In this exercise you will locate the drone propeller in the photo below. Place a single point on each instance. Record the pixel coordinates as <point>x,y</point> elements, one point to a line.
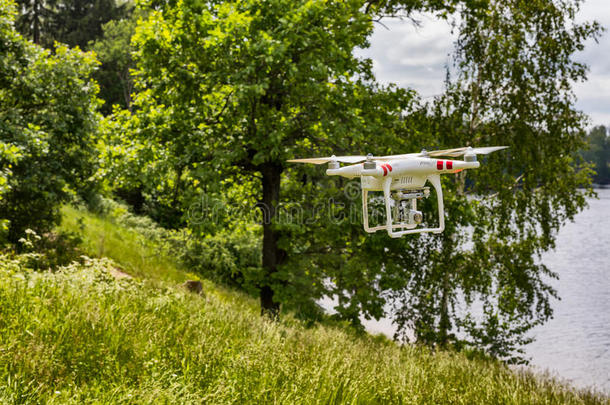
<point>395,157</point>
<point>321,160</point>
<point>466,151</point>
<point>352,159</point>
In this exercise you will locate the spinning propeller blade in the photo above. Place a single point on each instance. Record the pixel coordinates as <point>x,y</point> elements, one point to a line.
<point>488,149</point>
<point>462,151</point>
<point>319,161</point>
<point>395,157</point>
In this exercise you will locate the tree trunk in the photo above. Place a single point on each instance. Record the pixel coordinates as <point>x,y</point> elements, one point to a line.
<point>272,256</point>
<point>36,23</point>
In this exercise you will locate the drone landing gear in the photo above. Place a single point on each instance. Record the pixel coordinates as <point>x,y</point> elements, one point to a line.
<point>405,209</point>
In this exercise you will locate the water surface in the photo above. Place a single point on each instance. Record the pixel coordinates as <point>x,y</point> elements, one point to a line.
<point>575,345</point>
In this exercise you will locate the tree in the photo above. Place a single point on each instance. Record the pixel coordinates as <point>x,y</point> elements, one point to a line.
<point>34,20</point>
<point>248,85</point>
<point>78,22</point>
<point>71,22</point>
<point>513,86</point>
<point>104,26</point>
<point>47,110</point>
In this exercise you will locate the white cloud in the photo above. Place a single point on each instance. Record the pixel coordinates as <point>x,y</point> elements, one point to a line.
<point>594,95</point>
<point>416,57</point>
<point>411,56</point>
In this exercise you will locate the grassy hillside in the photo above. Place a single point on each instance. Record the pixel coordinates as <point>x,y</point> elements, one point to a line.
<point>82,336</point>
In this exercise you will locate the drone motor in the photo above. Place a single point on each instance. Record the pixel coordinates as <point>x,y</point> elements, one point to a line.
<point>333,165</point>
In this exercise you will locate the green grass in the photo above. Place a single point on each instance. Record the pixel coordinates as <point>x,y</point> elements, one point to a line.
<point>80,336</point>
<point>135,253</point>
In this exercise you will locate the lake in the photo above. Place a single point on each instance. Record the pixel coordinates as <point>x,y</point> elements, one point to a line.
<point>575,344</point>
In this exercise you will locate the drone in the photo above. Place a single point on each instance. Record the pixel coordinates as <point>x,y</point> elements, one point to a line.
<point>402,178</point>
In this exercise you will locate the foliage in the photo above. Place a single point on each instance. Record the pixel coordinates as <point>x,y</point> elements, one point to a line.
<point>50,251</point>
<point>138,170</point>
<point>232,258</point>
<point>80,335</point>
<point>513,86</point>
<point>11,51</point>
<point>407,8</point>
<point>47,115</point>
<point>78,22</point>
<point>104,26</point>
<point>597,152</point>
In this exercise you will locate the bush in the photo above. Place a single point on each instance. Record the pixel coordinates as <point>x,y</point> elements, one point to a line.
<point>229,257</point>
<point>47,149</point>
<point>49,251</point>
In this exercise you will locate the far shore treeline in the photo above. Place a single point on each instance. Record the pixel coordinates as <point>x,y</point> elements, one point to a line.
<point>187,110</point>
<point>597,152</point>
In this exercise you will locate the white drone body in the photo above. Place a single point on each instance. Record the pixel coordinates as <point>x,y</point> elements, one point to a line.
<point>402,178</point>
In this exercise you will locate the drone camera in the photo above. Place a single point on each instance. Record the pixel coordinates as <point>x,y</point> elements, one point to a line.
<point>415,217</point>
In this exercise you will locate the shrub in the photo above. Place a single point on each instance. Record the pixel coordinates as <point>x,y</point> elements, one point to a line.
<point>48,113</point>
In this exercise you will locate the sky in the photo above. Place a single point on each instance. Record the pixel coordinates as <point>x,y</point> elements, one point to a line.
<point>416,57</point>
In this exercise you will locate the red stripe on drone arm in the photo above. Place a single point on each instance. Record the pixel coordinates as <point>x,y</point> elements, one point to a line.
<point>385,170</point>
<point>439,165</point>
<point>449,164</point>
<point>389,167</point>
